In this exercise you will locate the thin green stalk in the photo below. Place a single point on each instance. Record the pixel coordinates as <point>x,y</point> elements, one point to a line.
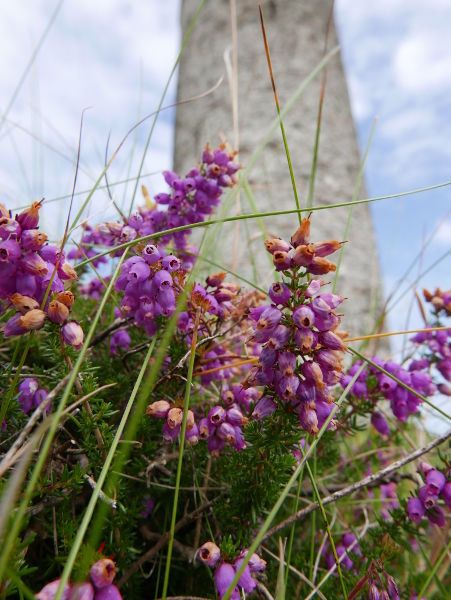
<point>399,382</point>
<point>313,529</point>
<point>19,516</point>
<point>434,570</point>
<point>185,39</point>
<point>251,216</point>
<point>275,509</point>
<point>101,479</point>
<point>293,527</point>
<point>282,128</point>
<point>438,583</point>
<point>329,532</point>
<point>354,198</point>
<point>22,588</point>
<point>180,460</point>
<point>5,404</point>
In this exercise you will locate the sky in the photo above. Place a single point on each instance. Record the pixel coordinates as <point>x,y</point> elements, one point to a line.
<point>115,57</point>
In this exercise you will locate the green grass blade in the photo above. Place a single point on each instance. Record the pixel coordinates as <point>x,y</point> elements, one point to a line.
<point>101,479</point>
<point>435,569</point>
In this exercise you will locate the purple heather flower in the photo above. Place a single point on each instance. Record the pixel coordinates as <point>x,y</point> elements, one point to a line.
<point>332,300</point>
<point>246,581</point>
<point>110,592</point>
<point>392,588</point>
<point>287,363</point>
<point>209,554</point>
<point>306,391</point>
<point>373,592</point>
<point>29,218</point>
<point>327,359</point>
<point>331,340</point>
<point>323,410</point>
<point>159,409</point>
<point>73,334</point>
<point>9,227</point>
<point>305,339</point>
<point>166,299</point>
<point>33,264</point>
<point>288,386</point>
<point>207,155</point>
<point>170,433</point>
<point>415,509</point>
<point>386,384</point>
<point>163,280</point>
<point>446,494</point>
<point>436,516</point>
<point>51,254</point>
<point>313,287</point>
<point>136,221</point>
<point>264,377</point>
<point>226,432</point>
<point>435,481</point>
<point>171,263</point>
<point>269,318</point>
<point>217,415</point>
<point>308,420</point>
<point>162,198</point>
<point>235,417</point>
<point>256,312</point>
<point>429,500</point>
<point>149,505</point>
<point>140,271</point>
<point>103,572</point>
<point>326,323</point>
<point>128,234</point>
<point>281,260</point>
<point>303,316</point>
<point>312,372</point>
<point>27,390</point>
<point>256,564</point>
<point>119,339</point>
<point>277,245</point>
<point>224,576</point>
<point>379,423</point>
<point>278,337</point>
<point>26,284</point>
<point>10,250</point>
<point>151,254</point>
<point>192,435</point>
<point>215,446</point>
<point>265,407</point>
<point>82,591</point>
<point>12,327</point>
<point>48,592</point>
<point>267,358</point>
<point>279,293</point>
<point>206,428</point>
<point>32,239</point>
<point>239,443</point>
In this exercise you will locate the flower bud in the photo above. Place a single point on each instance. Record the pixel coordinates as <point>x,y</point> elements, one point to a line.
<point>73,334</point>
<point>302,234</point>
<point>102,573</point>
<point>58,312</point>
<point>207,155</point>
<point>9,227</point>
<point>12,327</point>
<point>265,407</point>
<point>308,420</point>
<point>312,372</point>
<point>330,340</point>
<point>48,592</point>
<point>29,218</point>
<point>224,575</point>
<point>435,481</point>
<point>379,423</point>
<point>209,554</point>
<point>373,592</point>
<point>174,418</point>
<point>109,592</point>
<point>281,260</point>
<point>190,420</point>
<point>277,245</point>
<point>415,509</point>
<point>216,279</point>
<point>235,417</point>
<point>67,298</point>
<point>321,266</point>
<point>303,255</point>
<point>32,239</point>
<point>66,271</point>
<point>23,303</point>
<point>33,319</point>
<point>326,247</point>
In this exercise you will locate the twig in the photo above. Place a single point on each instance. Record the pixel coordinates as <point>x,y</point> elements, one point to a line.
<point>185,552</point>
<point>359,485</point>
<point>261,590</point>
<point>163,541</point>
<point>106,332</point>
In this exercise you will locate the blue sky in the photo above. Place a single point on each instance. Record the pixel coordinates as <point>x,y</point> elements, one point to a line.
<point>116,55</point>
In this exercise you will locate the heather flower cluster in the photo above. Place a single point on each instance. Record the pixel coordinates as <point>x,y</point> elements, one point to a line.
<point>224,572</point>
<point>31,394</point>
<point>437,487</point>
<point>28,267</point>
<point>348,543</point>
<point>99,587</point>
<point>302,351</point>
<point>373,385</point>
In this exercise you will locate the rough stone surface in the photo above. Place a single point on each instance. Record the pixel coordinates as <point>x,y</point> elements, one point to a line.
<point>296,32</point>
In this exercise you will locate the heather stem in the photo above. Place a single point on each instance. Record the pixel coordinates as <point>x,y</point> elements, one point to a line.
<point>180,461</point>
